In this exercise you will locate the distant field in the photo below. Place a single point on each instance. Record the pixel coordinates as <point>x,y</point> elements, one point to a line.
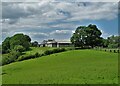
<point>33,50</point>
<point>71,67</point>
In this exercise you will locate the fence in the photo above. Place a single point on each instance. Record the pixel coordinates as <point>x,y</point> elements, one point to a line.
<point>108,50</point>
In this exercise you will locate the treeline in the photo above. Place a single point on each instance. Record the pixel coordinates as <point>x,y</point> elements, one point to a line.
<point>12,47</point>
<point>111,42</point>
<point>18,42</point>
<point>90,36</point>
<point>17,56</point>
<point>84,37</point>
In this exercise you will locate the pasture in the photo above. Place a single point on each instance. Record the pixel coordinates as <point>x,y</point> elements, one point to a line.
<point>70,67</point>
<point>33,50</point>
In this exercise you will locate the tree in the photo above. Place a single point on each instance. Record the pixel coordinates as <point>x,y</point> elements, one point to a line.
<point>10,43</point>
<point>87,36</point>
<point>113,41</point>
<point>19,48</point>
<point>20,39</point>
<point>105,43</point>
<point>6,45</point>
<point>34,44</point>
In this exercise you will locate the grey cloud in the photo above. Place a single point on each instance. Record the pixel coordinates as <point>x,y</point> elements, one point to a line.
<point>13,11</point>
<point>47,16</point>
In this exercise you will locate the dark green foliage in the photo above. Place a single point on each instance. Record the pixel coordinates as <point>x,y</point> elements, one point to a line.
<point>105,43</point>
<point>48,52</point>
<point>19,48</point>
<point>70,48</point>
<point>57,50</point>
<point>6,45</point>
<point>10,57</point>
<point>36,55</point>
<point>87,36</point>
<point>25,57</point>
<point>31,56</point>
<point>34,44</point>
<point>113,41</point>
<point>18,40</point>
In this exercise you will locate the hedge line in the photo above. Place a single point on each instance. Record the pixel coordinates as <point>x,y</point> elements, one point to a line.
<point>36,55</point>
<point>16,56</point>
<point>110,50</point>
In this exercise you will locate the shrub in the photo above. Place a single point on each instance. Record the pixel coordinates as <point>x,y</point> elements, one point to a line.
<point>48,52</point>
<point>72,48</point>
<point>42,54</point>
<point>19,48</point>
<point>10,57</point>
<point>14,55</point>
<point>37,54</point>
<point>5,60</point>
<point>57,50</point>
<point>62,49</point>
<point>25,57</point>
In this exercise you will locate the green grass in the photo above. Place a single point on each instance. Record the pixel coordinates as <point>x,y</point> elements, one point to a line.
<point>33,50</point>
<point>71,67</point>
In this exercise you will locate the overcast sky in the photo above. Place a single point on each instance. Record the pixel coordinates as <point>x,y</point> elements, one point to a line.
<point>49,19</point>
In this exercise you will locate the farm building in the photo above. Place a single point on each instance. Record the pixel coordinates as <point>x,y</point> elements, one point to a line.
<point>53,43</point>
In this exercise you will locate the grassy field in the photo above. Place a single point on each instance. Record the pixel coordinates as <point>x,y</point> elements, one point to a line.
<point>70,67</point>
<point>33,50</point>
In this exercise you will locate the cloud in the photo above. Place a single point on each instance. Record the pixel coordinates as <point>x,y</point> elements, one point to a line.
<point>94,11</point>
<point>52,11</point>
<point>105,34</point>
<point>48,18</point>
<point>61,0</point>
<point>61,34</point>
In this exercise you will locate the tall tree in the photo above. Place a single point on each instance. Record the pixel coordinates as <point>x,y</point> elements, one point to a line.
<point>6,45</point>
<point>113,41</point>
<point>87,36</point>
<point>11,42</point>
<point>34,44</point>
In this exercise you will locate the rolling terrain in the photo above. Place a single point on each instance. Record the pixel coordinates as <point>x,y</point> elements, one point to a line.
<point>70,67</point>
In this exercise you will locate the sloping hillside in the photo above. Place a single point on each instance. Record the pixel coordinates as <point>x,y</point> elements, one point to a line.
<point>70,67</point>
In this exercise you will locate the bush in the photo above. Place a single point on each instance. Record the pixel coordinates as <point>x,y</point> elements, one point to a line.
<point>25,57</point>
<point>48,52</point>
<point>19,48</point>
<point>62,49</point>
<point>71,48</point>
<point>15,55</point>
<point>10,57</point>
<point>36,54</point>
<point>5,60</point>
<point>57,50</point>
<point>113,46</point>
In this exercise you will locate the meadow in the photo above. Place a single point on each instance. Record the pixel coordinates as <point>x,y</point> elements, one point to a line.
<point>33,50</point>
<point>70,67</point>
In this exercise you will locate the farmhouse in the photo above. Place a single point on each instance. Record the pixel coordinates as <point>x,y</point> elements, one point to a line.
<point>53,43</point>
